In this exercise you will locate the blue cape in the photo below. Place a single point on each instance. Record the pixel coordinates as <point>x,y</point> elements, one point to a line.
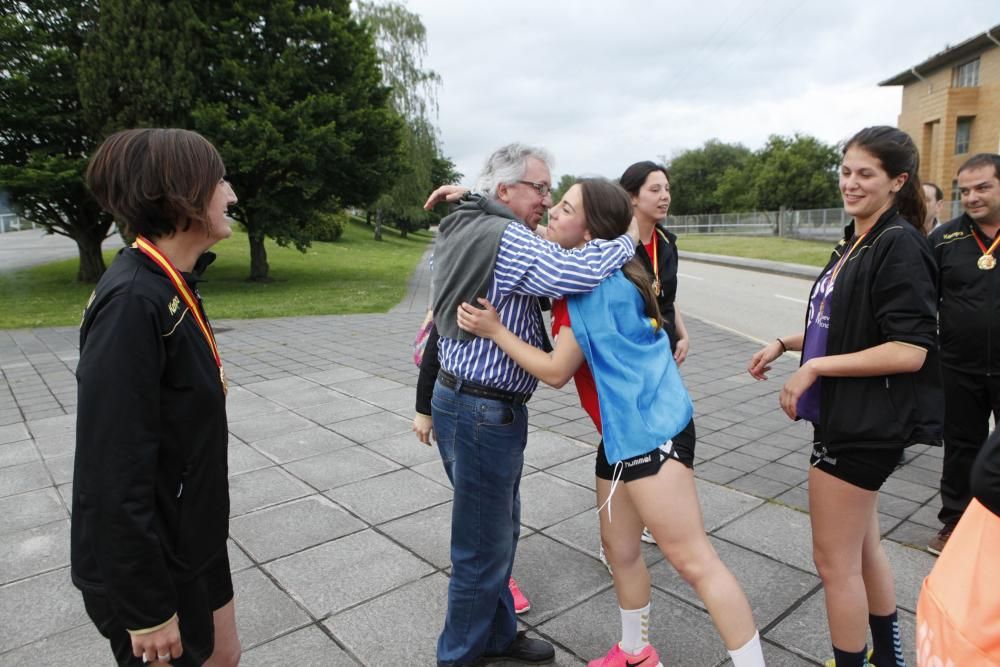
<point>642,397</point>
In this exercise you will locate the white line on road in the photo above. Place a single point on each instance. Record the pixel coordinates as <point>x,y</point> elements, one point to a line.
<point>792,298</point>
<point>688,275</point>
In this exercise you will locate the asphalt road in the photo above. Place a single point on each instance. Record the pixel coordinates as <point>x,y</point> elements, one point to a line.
<point>19,250</point>
<point>757,305</point>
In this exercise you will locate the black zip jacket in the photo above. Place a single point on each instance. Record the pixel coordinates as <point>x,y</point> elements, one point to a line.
<point>666,258</point>
<point>150,489</point>
<point>886,291</point>
<point>968,299</point>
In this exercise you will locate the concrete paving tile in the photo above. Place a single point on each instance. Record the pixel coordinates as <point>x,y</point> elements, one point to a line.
<point>720,505</point>
<point>918,475</point>
<point>796,497</point>
<point>301,444</point>
<point>81,645</point>
<point>284,529</point>
<point>338,409</point>
<point>34,551</point>
<point>308,647</point>
<point>335,375</point>
<point>546,500</point>
<point>579,471</point>
<point>260,488</point>
<point>581,429</point>
<point>345,466</point>
<point>583,532</point>
<point>304,398</point>
<point>243,458</point>
<point>405,449</point>
<point>761,487</point>
<point>544,419</point>
<point>13,433</point>
<point>398,628</point>
<point>238,560</point>
<point>339,574</point>
<point>683,635</point>
<point>367,387</point>
<point>17,453</point>
<point>426,533</point>
<point>29,510</point>
<point>556,577</point>
<point>433,470</point>
<point>547,449</point>
<point>56,444</point>
<point>38,607</point>
<point>261,427</point>
<point>241,403</point>
<point>909,568</point>
<point>901,507</point>
<point>285,386</point>
<point>714,472</point>
<point>372,427</point>
<point>23,477</point>
<point>740,461</point>
<point>757,575</point>
<point>775,531</point>
<point>394,399</point>
<point>52,425</point>
<point>805,630</point>
<point>263,611</point>
<point>386,497</point>
<point>780,472</point>
<point>61,468</point>
<point>908,490</point>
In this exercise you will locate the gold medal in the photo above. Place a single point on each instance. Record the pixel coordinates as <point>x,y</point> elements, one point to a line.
<point>987,262</point>
<point>225,384</point>
<point>656,287</point>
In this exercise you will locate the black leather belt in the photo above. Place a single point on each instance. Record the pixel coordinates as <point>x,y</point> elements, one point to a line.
<point>476,389</point>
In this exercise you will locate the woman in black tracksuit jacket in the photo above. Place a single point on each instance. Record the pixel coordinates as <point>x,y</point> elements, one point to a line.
<point>869,382</point>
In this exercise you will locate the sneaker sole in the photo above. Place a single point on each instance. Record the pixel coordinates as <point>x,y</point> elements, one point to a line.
<point>933,550</point>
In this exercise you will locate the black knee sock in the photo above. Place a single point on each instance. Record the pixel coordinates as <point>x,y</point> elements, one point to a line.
<point>847,659</point>
<point>888,650</point>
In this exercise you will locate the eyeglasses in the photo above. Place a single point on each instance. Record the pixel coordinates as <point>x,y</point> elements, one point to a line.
<point>541,188</point>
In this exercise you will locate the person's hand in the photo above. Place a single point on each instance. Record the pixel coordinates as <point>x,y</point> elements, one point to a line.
<point>681,350</point>
<point>801,380</point>
<point>633,230</point>
<point>483,322</point>
<point>445,193</point>
<point>423,426</point>
<point>760,363</point>
<point>160,646</point>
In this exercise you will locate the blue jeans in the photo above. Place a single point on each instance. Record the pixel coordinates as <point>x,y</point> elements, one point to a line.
<point>481,442</point>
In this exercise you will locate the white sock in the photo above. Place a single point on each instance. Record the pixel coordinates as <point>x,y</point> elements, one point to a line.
<point>750,654</point>
<point>635,629</point>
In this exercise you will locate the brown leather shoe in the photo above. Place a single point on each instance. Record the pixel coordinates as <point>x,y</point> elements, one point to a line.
<point>938,541</point>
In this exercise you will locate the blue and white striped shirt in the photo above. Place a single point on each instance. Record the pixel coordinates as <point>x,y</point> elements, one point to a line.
<point>528,267</point>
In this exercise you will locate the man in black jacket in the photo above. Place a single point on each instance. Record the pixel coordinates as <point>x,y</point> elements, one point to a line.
<point>969,331</point>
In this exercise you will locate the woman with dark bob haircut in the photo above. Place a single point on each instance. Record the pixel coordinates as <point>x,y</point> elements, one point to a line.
<point>150,490</point>
<point>869,382</point>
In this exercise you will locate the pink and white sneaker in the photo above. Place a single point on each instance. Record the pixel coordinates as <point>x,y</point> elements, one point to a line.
<point>521,603</point>
<point>616,657</point>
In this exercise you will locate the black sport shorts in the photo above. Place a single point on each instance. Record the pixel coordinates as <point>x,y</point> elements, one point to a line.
<point>865,468</point>
<point>680,447</point>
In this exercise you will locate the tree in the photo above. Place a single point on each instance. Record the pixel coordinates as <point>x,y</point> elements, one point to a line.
<point>695,176</point>
<point>296,104</point>
<point>401,41</point>
<point>45,140</point>
<point>566,181</point>
<point>798,172</point>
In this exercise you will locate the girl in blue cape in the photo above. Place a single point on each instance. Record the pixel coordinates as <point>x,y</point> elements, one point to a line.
<point>613,343</point>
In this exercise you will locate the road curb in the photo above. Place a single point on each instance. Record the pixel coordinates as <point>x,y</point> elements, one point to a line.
<point>763,265</point>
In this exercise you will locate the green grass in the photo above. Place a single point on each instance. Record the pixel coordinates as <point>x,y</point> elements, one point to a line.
<point>812,253</point>
<point>353,275</point>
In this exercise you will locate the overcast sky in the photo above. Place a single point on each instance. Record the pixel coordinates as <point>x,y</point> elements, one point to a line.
<point>602,84</point>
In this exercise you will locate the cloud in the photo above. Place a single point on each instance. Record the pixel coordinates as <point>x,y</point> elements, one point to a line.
<point>603,84</point>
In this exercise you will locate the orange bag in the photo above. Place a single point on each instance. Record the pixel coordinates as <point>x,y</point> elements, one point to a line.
<point>958,613</point>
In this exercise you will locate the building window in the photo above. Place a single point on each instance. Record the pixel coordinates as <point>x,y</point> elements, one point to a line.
<point>963,133</point>
<point>967,75</point>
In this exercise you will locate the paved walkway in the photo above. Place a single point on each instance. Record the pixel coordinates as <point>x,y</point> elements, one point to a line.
<point>340,517</point>
<point>19,250</point>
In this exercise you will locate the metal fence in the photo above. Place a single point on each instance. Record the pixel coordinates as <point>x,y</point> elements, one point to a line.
<point>12,222</point>
<point>823,224</point>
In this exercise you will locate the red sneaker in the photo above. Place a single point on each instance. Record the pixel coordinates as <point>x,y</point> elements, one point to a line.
<point>521,603</point>
<point>616,657</point>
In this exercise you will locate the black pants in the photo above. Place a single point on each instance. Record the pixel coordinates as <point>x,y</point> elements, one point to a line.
<point>968,401</point>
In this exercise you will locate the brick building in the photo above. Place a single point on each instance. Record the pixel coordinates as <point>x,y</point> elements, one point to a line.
<point>951,106</point>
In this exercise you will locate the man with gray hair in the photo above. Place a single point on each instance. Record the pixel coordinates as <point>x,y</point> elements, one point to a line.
<point>478,408</point>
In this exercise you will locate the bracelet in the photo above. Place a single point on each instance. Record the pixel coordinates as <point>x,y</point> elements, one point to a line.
<point>784,348</point>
